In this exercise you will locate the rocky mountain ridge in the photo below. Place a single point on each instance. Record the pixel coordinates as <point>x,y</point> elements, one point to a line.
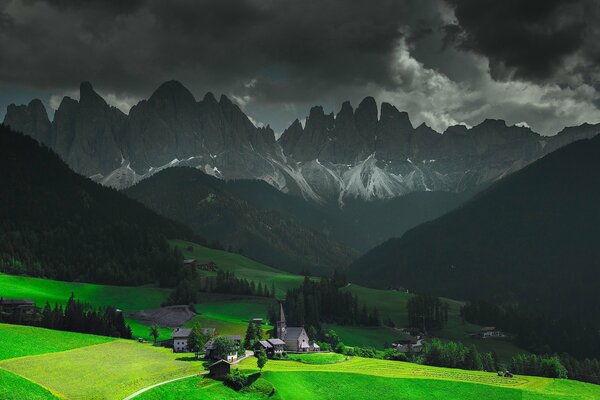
<point>355,153</point>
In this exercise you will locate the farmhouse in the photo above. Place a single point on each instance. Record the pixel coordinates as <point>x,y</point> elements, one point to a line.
<point>231,357</point>
<point>295,337</point>
<point>410,346</point>
<point>205,265</point>
<point>491,332</point>
<point>16,305</point>
<point>18,310</point>
<point>271,346</point>
<point>180,338</point>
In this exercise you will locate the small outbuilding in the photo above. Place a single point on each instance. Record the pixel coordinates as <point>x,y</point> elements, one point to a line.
<point>219,369</point>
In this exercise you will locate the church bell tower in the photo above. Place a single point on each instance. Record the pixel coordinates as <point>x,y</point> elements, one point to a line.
<point>281,323</point>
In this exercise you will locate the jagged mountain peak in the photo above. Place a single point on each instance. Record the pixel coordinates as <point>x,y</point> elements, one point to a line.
<point>324,160</point>
<point>209,97</point>
<point>172,90</point>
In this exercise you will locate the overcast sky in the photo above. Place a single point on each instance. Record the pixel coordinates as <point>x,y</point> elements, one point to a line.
<point>444,61</point>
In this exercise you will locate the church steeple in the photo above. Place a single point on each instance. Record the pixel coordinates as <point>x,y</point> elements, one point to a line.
<point>281,326</point>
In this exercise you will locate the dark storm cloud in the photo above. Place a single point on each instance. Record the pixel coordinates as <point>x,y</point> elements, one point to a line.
<point>291,45</point>
<point>533,40</point>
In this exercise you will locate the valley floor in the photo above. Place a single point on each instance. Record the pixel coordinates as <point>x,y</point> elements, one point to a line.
<point>77,366</point>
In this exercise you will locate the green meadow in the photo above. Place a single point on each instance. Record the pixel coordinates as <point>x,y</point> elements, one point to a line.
<point>360,378</point>
<point>242,267</point>
<point>14,387</point>
<point>19,341</point>
<point>42,290</point>
<point>318,358</point>
<point>229,313</point>
<point>111,370</point>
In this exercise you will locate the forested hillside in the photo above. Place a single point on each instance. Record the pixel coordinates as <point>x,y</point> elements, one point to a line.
<point>532,239</point>
<point>210,207</point>
<point>55,223</point>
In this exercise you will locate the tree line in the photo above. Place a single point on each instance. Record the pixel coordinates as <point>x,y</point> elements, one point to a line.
<point>191,284</point>
<point>427,312</point>
<point>576,340</point>
<point>318,301</point>
<point>538,333</point>
<point>76,316</point>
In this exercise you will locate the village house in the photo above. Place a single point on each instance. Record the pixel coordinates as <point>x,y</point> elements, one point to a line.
<point>295,337</point>
<point>410,346</point>
<point>488,332</point>
<point>231,357</point>
<point>16,305</point>
<point>205,265</point>
<point>18,310</point>
<point>271,346</point>
<point>180,338</point>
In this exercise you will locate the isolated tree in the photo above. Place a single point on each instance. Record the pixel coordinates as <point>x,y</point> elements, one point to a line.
<point>154,332</point>
<point>197,339</point>
<point>262,359</point>
<point>253,334</point>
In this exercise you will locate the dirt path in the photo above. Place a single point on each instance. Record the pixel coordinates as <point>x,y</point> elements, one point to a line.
<point>155,385</point>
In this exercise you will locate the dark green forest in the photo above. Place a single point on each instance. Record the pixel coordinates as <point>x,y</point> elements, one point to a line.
<point>206,205</point>
<point>316,302</point>
<point>57,224</point>
<point>530,239</point>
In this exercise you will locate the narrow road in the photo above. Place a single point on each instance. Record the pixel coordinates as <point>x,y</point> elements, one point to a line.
<point>248,354</point>
<point>158,384</point>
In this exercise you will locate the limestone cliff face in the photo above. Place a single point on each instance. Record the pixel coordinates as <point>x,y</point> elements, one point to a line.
<point>356,153</point>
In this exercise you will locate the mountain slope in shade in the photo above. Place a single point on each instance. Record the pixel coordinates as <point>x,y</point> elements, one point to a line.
<point>208,205</point>
<point>55,223</point>
<point>530,238</point>
<point>361,153</point>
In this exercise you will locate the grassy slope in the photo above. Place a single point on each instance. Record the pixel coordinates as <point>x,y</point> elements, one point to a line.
<point>366,378</point>
<point>106,371</point>
<point>318,358</point>
<point>42,290</point>
<point>18,341</point>
<point>125,298</point>
<point>229,313</point>
<point>243,267</point>
<point>14,387</point>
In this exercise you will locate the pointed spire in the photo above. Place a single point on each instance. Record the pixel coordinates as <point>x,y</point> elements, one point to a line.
<point>281,314</point>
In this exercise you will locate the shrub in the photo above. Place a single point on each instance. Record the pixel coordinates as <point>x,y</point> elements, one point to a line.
<point>236,379</point>
<point>340,348</point>
<point>324,346</point>
<point>367,352</point>
<point>395,355</point>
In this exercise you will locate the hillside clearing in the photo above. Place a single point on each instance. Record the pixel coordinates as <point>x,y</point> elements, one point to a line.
<point>41,290</point>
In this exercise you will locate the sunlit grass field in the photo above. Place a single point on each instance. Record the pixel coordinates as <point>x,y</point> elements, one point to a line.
<point>317,358</point>
<point>111,370</point>
<point>42,290</point>
<point>360,378</point>
<point>229,313</point>
<point>14,387</point>
<point>19,341</point>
